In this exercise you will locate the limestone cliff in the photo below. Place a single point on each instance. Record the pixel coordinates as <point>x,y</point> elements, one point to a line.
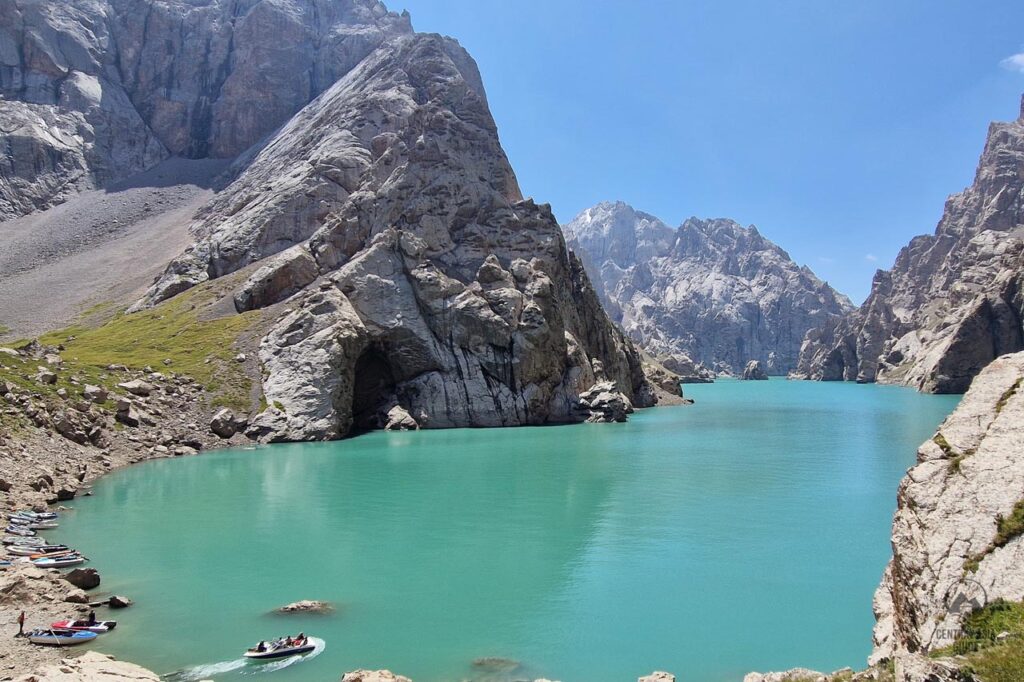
<point>953,300</point>
<point>97,90</point>
<point>956,538</point>
<point>711,290</point>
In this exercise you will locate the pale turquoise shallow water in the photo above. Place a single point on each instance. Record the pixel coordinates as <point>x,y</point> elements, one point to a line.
<point>746,532</point>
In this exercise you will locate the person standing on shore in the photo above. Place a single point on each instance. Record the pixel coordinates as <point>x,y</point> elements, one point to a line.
<point>21,625</point>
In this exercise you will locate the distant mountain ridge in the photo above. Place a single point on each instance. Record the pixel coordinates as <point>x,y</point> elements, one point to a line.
<point>953,301</point>
<point>713,290</point>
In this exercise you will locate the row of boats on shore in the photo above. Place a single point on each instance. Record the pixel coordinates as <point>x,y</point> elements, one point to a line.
<point>23,542</point>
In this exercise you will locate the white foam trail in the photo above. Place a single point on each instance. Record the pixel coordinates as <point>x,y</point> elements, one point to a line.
<point>201,672</point>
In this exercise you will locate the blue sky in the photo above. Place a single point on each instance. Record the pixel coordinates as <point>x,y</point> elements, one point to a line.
<point>837,127</point>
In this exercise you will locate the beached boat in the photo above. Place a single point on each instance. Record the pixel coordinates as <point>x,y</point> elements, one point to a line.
<point>34,524</point>
<point>60,637</point>
<point>99,627</point>
<point>19,530</point>
<point>37,551</point>
<point>20,540</point>
<point>4,563</point>
<point>279,649</point>
<point>60,561</point>
<point>43,516</point>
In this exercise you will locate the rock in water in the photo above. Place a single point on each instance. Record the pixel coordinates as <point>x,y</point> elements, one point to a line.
<point>440,289</point>
<point>85,578</point>
<point>658,677</point>
<point>710,290</point>
<point>754,371</point>
<point>952,301</point>
<point>119,602</point>
<point>307,606</point>
<point>953,551</point>
<point>373,676</point>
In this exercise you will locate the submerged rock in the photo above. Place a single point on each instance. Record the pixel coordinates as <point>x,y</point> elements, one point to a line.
<point>373,676</point>
<point>496,664</point>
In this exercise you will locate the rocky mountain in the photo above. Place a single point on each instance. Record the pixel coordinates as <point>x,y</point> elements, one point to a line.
<point>710,289</point>
<point>953,300</point>
<point>957,533</point>
<point>370,198</point>
<point>98,90</point>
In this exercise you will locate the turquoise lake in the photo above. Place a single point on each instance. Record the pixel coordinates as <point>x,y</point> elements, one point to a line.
<point>745,532</point>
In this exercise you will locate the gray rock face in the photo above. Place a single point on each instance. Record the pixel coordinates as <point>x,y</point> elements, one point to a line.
<point>98,90</point>
<point>953,301</point>
<point>949,556</point>
<point>754,371</point>
<point>417,276</point>
<point>710,289</point>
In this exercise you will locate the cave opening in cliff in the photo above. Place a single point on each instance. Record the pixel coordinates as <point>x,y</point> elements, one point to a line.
<point>373,387</point>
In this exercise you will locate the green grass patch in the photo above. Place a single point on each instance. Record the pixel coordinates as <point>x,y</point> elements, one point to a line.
<point>182,330</point>
<point>943,444</point>
<point>1007,528</point>
<point>1007,394</point>
<point>989,658</point>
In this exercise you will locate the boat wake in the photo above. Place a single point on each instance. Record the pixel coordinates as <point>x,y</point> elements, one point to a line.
<point>243,665</point>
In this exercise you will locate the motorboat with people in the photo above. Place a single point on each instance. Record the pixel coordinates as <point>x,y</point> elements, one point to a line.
<point>55,637</point>
<point>98,626</point>
<point>281,648</point>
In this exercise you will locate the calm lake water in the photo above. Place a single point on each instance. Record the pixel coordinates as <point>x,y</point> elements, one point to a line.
<point>746,532</point>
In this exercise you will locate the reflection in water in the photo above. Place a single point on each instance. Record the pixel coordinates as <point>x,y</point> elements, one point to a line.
<point>745,532</point>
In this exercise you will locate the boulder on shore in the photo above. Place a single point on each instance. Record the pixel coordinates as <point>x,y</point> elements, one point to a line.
<point>754,371</point>
<point>84,578</point>
<point>226,423</point>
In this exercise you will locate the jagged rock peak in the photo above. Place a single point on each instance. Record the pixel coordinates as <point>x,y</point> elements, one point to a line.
<point>416,280</point>
<point>952,301</point>
<point>712,290</point>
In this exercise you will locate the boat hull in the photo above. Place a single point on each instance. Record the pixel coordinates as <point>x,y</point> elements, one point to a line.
<point>279,653</point>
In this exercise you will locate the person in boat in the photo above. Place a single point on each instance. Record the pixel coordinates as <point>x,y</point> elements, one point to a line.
<point>92,618</point>
<point>300,639</point>
<point>288,641</point>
